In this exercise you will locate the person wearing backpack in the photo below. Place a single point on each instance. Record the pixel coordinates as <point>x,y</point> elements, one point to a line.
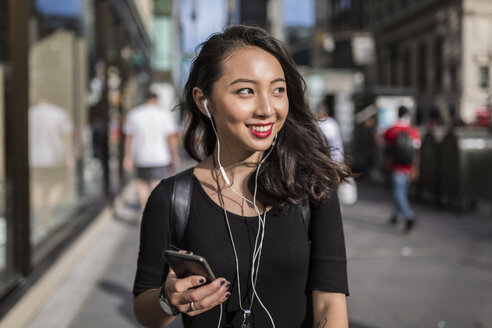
<point>260,158</point>
<point>402,142</point>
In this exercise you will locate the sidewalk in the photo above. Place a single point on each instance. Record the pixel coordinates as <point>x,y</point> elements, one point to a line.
<point>439,275</point>
<point>98,292</point>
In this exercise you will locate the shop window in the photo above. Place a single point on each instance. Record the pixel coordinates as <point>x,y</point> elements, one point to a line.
<point>394,63</point>
<point>438,54</point>
<point>65,169</point>
<point>407,71</point>
<point>381,72</point>
<point>4,62</point>
<point>345,5</point>
<point>484,77</point>
<point>453,74</point>
<point>3,221</point>
<point>422,73</point>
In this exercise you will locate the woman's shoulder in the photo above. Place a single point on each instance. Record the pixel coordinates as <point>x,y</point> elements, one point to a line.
<point>161,196</point>
<point>169,181</point>
<point>165,187</point>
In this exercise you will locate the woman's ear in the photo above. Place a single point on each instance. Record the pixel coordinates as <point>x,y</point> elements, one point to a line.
<point>200,100</point>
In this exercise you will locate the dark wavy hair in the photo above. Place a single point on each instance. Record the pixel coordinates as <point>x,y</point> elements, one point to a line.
<point>300,164</point>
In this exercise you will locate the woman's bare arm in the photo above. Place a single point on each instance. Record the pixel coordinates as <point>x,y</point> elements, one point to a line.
<point>148,311</point>
<point>330,310</point>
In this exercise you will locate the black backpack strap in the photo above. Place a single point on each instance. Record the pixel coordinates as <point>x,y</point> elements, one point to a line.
<point>180,205</point>
<point>306,213</point>
<point>181,200</point>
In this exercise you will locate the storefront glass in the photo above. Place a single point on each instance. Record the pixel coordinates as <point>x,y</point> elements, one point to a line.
<point>64,90</point>
<point>3,225</point>
<point>3,99</point>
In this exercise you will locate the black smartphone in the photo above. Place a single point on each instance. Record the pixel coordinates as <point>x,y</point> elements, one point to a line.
<point>185,265</point>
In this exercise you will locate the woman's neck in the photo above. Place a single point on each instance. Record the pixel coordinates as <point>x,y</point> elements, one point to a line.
<point>230,160</point>
<point>238,175</point>
<point>237,169</point>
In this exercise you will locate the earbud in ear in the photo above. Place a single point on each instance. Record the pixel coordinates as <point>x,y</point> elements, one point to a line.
<point>206,108</point>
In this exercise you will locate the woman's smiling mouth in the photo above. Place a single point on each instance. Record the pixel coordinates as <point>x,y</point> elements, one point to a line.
<point>261,130</point>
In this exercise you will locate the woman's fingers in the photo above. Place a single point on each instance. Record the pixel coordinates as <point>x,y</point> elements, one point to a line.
<point>192,295</point>
<point>212,300</point>
<point>182,285</point>
<point>219,286</point>
<point>203,298</point>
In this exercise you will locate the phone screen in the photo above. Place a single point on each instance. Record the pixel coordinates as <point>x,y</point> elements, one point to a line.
<point>185,265</point>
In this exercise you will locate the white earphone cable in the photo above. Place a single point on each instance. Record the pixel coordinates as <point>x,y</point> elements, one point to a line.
<point>257,250</point>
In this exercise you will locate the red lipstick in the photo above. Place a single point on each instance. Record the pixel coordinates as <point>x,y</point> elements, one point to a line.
<point>262,134</point>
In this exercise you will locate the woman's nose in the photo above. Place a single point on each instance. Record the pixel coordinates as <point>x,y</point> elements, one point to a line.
<point>264,106</point>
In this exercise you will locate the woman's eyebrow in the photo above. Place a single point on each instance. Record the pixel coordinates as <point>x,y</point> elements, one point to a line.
<point>279,79</point>
<point>241,80</point>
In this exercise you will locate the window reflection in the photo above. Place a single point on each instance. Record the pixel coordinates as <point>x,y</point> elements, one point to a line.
<point>3,224</point>
<point>65,167</point>
<point>52,163</point>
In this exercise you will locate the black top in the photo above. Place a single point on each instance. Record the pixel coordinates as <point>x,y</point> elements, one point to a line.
<point>290,267</point>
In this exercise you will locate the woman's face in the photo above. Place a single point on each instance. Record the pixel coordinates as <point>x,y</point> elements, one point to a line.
<point>249,102</point>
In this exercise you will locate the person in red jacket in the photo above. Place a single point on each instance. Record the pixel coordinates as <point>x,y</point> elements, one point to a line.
<point>402,142</point>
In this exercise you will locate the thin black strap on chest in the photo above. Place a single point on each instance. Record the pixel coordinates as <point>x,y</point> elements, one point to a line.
<point>180,205</point>
<point>306,213</point>
<point>181,201</point>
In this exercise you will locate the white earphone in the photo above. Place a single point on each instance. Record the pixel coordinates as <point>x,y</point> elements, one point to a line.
<point>221,168</point>
<point>206,109</point>
<point>261,222</point>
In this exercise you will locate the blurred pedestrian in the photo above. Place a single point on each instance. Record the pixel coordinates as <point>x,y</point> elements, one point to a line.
<point>347,191</point>
<point>435,118</point>
<point>262,163</point>
<point>51,160</point>
<point>455,119</point>
<point>331,130</point>
<point>402,142</point>
<point>365,143</point>
<point>151,144</point>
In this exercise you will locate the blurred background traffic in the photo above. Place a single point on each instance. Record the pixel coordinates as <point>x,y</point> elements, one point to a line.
<point>71,70</point>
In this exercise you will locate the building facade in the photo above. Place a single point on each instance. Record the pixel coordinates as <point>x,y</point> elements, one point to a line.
<point>441,49</point>
<point>438,51</point>
<point>253,12</point>
<point>68,71</point>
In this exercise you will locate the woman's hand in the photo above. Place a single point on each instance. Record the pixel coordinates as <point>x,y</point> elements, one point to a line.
<point>190,295</point>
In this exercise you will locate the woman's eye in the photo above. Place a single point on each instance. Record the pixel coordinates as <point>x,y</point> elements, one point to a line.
<point>279,90</point>
<point>245,91</point>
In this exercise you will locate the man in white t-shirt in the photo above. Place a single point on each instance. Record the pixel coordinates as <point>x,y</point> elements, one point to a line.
<point>150,145</point>
<point>331,130</point>
<point>51,159</point>
<point>347,191</point>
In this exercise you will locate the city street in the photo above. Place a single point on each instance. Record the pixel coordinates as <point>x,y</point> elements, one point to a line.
<point>439,275</point>
<point>94,94</point>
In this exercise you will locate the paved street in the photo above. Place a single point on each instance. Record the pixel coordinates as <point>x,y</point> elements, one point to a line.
<point>440,275</point>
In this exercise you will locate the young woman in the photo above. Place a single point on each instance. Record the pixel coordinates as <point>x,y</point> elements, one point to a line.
<point>260,155</point>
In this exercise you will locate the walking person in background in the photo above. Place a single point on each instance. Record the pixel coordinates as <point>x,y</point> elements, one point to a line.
<point>331,130</point>
<point>347,191</point>
<point>51,160</point>
<point>151,145</point>
<point>262,162</point>
<point>402,142</point>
